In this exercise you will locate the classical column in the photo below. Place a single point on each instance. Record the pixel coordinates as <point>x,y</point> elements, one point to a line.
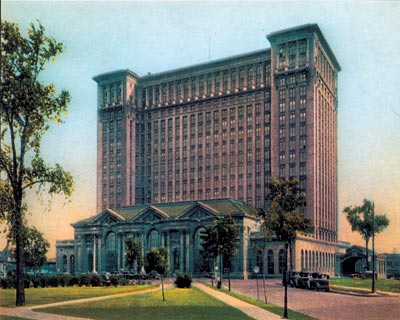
<point>94,254</point>
<point>188,250</point>
<point>182,252</point>
<point>99,264</point>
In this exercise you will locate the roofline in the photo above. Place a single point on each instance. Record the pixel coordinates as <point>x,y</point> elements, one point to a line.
<point>113,74</point>
<point>209,64</point>
<point>307,27</point>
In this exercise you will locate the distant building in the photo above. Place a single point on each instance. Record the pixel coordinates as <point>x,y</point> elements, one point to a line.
<point>392,265</point>
<point>213,132</point>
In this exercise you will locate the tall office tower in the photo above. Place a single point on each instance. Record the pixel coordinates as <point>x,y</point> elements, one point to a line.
<point>222,129</point>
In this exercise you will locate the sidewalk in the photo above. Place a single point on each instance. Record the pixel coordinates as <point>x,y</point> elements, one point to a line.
<point>247,308</point>
<point>31,313</point>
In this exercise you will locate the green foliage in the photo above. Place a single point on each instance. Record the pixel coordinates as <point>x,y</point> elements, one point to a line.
<point>183,281</point>
<point>282,218</point>
<point>221,238</point>
<point>157,260</point>
<point>134,254</point>
<point>361,219</point>
<point>27,107</point>
<point>35,247</point>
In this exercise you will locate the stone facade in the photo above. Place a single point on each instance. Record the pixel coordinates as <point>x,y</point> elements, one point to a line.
<point>220,130</point>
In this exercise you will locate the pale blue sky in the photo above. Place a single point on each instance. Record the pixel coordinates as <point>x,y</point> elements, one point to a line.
<point>158,36</point>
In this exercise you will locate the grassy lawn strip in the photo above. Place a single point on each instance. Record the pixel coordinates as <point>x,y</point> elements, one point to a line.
<point>388,285</point>
<point>3,317</point>
<point>35,296</point>
<point>293,315</point>
<point>185,304</point>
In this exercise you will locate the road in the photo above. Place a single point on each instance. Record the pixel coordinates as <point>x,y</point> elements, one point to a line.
<point>323,305</point>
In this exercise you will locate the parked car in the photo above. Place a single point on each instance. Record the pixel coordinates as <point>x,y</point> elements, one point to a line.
<point>294,279</point>
<point>302,281</point>
<point>322,282</point>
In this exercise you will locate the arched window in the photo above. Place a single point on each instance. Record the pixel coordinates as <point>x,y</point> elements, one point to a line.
<point>64,264</point>
<point>153,239</point>
<point>306,265</point>
<point>281,261</point>
<point>302,259</point>
<point>90,261</point>
<point>72,264</point>
<point>270,261</point>
<point>260,261</point>
<point>111,256</point>
<point>200,264</point>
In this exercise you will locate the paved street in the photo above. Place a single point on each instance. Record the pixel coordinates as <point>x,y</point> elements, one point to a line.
<point>323,305</point>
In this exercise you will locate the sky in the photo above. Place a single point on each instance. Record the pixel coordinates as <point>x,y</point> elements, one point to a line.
<point>149,36</point>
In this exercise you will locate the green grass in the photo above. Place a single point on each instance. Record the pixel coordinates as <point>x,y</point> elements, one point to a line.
<point>293,315</point>
<point>3,317</point>
<point>35,296</point>
<point>388,285</point>
<point>185,304</point>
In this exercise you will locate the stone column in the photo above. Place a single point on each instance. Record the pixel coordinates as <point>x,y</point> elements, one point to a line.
<point>188,250</point>
<point>99,264</point>
<point>94,254</point>
<point>182,252</point>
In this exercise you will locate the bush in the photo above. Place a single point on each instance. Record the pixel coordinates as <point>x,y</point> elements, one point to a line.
<point>95,281</point>
<point>73,281</point>
<point>183,281</point>
<point>53,281</point>
<point>44,281</point>
<point>35,282</point>
<point>84,280</point>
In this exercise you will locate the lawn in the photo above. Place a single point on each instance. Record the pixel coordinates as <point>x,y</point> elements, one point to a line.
<point>34,296</point>
<point>293,315</point>
<point>389,285</point>
<point>185,304</point>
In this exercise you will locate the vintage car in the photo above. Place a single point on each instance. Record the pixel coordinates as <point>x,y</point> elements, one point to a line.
<point>294,279</point>
<point>318,281</point>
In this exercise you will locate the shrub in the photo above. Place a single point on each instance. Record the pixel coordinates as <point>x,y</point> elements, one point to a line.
<point>73,281</point>
<point>84,280</point>
<point>44,281</point>
<point>53,281</point>
<point>95,281</point>
<point>183,281</point>
<point>35,282</point>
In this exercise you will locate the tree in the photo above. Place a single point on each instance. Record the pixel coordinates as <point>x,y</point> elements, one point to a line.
<point>27,107</point>
<point>157,260</point>
<point>134,255</point>
<point>220,239</point>
<point>361,219</point>
<point>283,218</point>
<point>35,248</point>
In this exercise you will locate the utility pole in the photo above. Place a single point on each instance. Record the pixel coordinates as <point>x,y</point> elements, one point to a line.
<point>373,248</point>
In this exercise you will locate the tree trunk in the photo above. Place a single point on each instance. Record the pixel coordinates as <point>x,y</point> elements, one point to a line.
<point>20,288</point>
<point>366,253</point>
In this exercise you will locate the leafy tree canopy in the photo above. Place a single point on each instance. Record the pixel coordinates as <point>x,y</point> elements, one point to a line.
<point>134,253</point>
<point>283,218</point>
<point>361,219</point>
<point>221,238</point>
<point>27,107</point>
<point>35,248</point>
<point>157,260</point>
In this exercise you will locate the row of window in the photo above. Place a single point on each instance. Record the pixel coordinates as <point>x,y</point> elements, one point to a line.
<point>250,76</point>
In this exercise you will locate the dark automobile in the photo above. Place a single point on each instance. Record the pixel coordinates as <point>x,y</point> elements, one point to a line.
<point>302,281</point>
<point>317,281</point>
<point>294,279</point>
<point>321,282</point>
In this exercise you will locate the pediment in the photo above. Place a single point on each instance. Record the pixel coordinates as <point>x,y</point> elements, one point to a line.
<point>106,218</point>
<point>150,216</point>
<point>197,212</point>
